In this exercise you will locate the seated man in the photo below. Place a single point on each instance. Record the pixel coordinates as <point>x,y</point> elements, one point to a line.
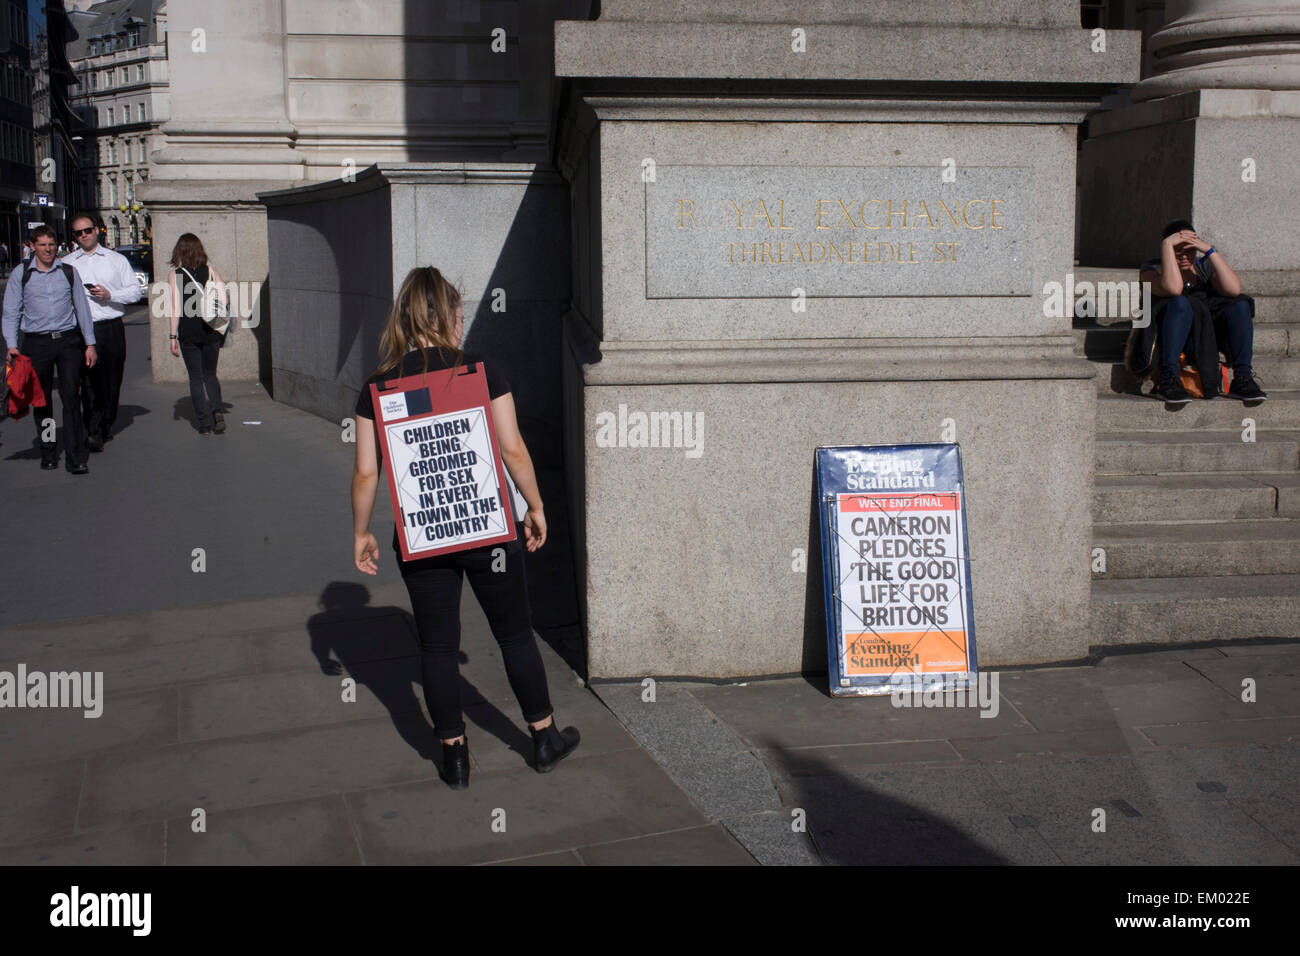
<point>1186,285</point>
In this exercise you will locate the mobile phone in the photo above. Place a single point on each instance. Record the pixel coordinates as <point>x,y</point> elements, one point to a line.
<point>88,285</point>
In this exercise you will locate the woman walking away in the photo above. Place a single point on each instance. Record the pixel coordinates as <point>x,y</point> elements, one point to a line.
<point>191,337</point>
<point>424,334</point>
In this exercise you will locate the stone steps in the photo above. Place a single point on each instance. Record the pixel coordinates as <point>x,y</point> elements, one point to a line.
<point>1134,452</point>
<point>1223,497</point>
<point>1100,341</point>
<point>1200,548</point>
<point>1187,609</point>
<point>1200,529</point>
<point>1138,412</point>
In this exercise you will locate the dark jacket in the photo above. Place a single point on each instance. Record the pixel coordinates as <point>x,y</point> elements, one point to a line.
<point>1141,356</point>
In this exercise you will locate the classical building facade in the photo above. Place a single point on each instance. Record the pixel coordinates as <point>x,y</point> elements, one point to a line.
<point>38,162</point>
<point>531,151</point>
<point>121,99</point>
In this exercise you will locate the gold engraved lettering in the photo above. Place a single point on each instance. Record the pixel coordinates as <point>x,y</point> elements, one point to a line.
<point>965,214</point>
<point>952,214</point>
<point>819,214</point>
<point>683,211</point>
<point>928,217</point>
<point>781,214</point>
<point>864,213</point>
<point>847,215</point>
<point>763,206</point>
<point>994,213</point>
<point>740,211</point>
<point>890,214</point>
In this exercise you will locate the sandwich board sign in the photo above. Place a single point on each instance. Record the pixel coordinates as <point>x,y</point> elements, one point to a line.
<point>896,568</point>
<point>446,477</point>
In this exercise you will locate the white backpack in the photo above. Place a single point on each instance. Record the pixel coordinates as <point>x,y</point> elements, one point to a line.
<point>215,313</point>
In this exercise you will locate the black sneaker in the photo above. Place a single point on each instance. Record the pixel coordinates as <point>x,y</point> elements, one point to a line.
<point>1245,387</point>
<point>1171,391</point>
<point>95,443</point>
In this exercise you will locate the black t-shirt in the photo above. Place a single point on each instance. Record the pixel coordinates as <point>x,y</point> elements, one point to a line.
<point>191,329</point>
<point>413,364</point>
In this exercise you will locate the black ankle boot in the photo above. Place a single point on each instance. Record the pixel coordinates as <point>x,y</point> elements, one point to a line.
<point>550,746</point>
<point>455,765</point>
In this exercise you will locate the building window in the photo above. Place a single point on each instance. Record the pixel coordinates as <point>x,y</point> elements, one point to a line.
<point>108,116</point>
<point>139,73</point>
<point>112,153</point>
<point>126,75</point>
<point>133,38</point>
<point>108,79</point>
<point>139,151</point>
<point>94,80</point>
<point>141,116</point>
<point>94,48</point>
<point>112,191</point>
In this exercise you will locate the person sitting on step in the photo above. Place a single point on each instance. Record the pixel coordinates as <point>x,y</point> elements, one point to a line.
<point>1183,286</point>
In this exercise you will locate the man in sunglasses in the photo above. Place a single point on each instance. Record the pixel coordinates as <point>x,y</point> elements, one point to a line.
<point>110,286</point>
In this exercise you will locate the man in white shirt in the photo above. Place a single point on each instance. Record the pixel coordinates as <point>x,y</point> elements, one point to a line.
<point>110,285</point>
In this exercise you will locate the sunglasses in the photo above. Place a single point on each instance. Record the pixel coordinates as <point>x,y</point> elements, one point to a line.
<point>83,232</point>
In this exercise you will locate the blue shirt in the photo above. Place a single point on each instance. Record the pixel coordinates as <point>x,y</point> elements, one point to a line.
<point>46,305</point>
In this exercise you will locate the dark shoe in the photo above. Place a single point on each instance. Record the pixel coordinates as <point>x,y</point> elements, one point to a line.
<point>108,437</point>
<point>95,443</point>
<point>455,765</point>
<point>78,469</point>
<point>1245,387</point>
<point>205,430</point>
<point>1171,391</point>
<point>49,464</point>
<point>550,746</point>
<point>218,424</point>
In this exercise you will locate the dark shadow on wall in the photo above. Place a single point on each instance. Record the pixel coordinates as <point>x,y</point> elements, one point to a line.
<point>524,340</point>
<point>814,661</point>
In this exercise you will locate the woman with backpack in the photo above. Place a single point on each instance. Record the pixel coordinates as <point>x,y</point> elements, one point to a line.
<point>423,334</point>
<point>192,337</point>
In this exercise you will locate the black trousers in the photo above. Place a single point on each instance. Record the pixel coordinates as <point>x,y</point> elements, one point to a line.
<point>102,385</point>
<point>205,390</point>
<point>68,354</point>
<point>434,585</point>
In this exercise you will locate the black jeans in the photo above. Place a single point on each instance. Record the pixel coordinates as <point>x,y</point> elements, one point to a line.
<point>102,385</point>
<point>68,352</point>
<point>434,586</point>
<point>205,390</point>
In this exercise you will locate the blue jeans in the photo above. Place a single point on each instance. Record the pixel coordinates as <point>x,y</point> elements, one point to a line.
<point>1235,333</point>
<point>1175,328</point>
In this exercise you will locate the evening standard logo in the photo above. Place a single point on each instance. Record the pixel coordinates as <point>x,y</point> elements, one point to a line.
<point>74,689</point>
<point>981,693</point>
<point>77,909</point>
<point>871,472</point>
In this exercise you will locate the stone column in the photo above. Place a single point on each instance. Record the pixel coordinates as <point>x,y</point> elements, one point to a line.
<point>228,138</point>
<point>1211,137</point>
<point>692,558</point>
<point>1225,44</point>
